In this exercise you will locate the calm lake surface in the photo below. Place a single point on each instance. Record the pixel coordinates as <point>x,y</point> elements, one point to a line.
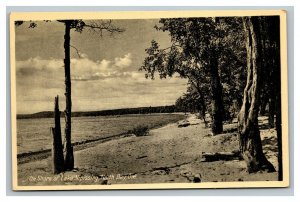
<point>34,134</point>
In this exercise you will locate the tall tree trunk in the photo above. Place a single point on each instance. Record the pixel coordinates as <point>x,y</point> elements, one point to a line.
<point>271,111</point>
<point>275,38</point>
<point>279,133</point>
<point>263,104</point>
<point>68,149</point>
<point>217,99</point>
<point>265,88</point>
<point>249,135</point>
<point>202,104</point>
<point>279,128</point>
<point>203,110</point>
<point>268,94</point>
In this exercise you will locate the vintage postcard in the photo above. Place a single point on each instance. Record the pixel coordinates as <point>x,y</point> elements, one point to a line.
<point>149,100</point>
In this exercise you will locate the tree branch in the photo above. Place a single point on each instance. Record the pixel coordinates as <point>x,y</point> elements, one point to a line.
<point>99,27</point>
<point>77,51</point>
<point>173,45</point>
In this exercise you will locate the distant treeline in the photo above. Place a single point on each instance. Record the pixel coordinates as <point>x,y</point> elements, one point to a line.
<point>140,110</point>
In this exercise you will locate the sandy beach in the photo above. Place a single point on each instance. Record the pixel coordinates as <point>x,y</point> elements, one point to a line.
<point>168,154</point>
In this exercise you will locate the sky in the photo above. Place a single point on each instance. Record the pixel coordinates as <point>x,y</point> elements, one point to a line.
<point>105,76</point>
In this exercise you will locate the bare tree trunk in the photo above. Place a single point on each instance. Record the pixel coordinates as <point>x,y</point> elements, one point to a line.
<point>275,30</point>
<point>279,135</point>
<point>263,104</point>
<point>267,94</point>
<point>68,149</point>
<point>279,132</point>
<point>217,99</point>
<point>202,109</point>
<point>271,111</point>
<point>57,149</point>
<point>249,135</point>
<point>266,70</point>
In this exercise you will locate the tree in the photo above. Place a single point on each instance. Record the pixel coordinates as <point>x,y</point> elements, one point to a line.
<point>275,21</point>
<point>267,98</point>
<point>193,101</point>
<point>193,54</point>
<point>273,36</point>
<point>78,25</point>
<point>232,66</point>
<point>197,98</point>
<point>249,134</point>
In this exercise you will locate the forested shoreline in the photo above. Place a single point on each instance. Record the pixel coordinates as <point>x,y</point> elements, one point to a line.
<point>110,112</point>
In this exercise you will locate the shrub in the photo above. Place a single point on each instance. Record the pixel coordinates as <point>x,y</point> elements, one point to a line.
<point>139,131</point>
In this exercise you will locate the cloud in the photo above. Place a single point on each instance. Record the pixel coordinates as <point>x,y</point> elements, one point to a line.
<point>96,85</point>
<point>38,63</point>
<point>84,69</point>
<point>123,62</point>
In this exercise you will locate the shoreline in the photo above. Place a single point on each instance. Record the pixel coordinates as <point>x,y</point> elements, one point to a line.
<point>43,154</point>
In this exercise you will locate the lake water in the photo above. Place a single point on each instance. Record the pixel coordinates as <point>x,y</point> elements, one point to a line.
<point>34,134</point>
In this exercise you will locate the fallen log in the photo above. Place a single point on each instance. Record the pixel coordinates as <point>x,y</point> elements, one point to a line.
<point>221,156</point>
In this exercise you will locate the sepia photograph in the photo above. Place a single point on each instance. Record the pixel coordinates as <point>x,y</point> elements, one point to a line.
<point>149,100</point>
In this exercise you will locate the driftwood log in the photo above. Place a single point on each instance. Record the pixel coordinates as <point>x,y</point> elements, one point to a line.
<point>184,123</point>
<point>221,156</point>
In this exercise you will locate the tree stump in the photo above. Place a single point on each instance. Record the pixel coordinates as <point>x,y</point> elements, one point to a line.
<point>57,148</point>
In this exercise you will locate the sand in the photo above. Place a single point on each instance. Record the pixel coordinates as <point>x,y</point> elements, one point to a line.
<point>166,155</point>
